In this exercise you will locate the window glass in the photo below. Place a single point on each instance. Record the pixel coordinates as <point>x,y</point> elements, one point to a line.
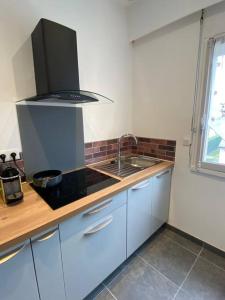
<point>214,137</point>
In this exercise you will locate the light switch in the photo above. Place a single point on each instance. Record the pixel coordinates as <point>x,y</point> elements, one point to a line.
<point>186,141</point>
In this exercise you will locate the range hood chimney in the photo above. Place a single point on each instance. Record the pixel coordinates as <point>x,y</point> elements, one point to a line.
<point>56,66</point>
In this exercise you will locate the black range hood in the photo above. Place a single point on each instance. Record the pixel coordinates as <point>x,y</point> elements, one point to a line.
<point>56,66</point>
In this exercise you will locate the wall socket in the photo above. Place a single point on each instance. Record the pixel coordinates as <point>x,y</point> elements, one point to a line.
<point>8,152</point>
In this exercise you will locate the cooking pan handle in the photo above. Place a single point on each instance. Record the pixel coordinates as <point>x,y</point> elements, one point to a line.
<point>44,182</point>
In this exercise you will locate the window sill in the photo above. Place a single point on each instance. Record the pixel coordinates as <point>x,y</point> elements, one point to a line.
<point>208,172</point>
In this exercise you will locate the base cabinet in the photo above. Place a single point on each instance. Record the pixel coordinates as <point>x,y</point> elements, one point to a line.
<point>92,253</point>
<point>139,226</point>
<point>17,274</point>
<point>147,209</point>
<point>93,244</point>
<point>160,199</point>
<point>48,265</point>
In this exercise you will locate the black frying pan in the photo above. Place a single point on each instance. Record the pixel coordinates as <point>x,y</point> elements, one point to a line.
<point>46,179</point>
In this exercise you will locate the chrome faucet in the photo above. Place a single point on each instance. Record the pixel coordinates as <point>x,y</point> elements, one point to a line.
<point>119,145</point>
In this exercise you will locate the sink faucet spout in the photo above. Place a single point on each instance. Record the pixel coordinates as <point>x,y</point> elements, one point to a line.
<point>127,135</point>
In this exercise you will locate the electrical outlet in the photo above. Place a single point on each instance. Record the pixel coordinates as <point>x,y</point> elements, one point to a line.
<point>9,151</point>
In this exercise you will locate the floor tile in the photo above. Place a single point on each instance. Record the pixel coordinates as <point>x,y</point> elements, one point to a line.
<point>183,241</point>
<point>140,281</point>
<point>205,282</point>
<point>183,295</point>
<point>95,292</point>
<point>118,270</point>
<point>168,257</point>
<point>214,258</point>
<point>104,295</point>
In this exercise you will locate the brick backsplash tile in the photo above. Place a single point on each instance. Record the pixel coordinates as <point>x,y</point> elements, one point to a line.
<point>88,151</point>
<point>172,143</point>
<point>114,146</point>
<point>164,147</point>
<point>169,158</point>
<point>113,141</point>
<point>87,157</point>
<point>110,147</point>
<point>159,141</point>
<point>88,145</point>
<point>170,153</point>
<point>159,148</point>
<point>99,143</point>
<point>113,151</point>
<point>103,148</point>
<point>142,139</point>
<point>100,154</point>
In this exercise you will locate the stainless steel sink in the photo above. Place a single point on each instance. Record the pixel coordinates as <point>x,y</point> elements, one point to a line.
<point>128,165</point>
<point>141,161</point>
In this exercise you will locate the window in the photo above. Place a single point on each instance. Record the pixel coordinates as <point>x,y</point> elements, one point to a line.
<point>210,137</point>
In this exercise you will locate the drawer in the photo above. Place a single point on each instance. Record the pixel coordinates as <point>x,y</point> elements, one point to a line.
<point>94,213</point>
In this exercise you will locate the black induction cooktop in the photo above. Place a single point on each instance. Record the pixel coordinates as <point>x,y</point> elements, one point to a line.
<point>74,186</point>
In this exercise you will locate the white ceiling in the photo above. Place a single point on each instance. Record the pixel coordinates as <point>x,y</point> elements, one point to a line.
<point>146,16</point>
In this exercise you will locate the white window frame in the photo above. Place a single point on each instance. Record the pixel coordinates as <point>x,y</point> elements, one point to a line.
<point>201,109</point>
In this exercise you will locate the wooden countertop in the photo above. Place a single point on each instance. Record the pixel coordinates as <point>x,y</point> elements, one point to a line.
<point>33,215</point>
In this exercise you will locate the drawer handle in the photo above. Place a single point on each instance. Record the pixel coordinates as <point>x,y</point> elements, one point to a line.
<point>162,174</point>
<point>98,209</point>
<point>6,258</point>
<point>99,226</point>
<point>47,236</point>
<point>141,185</point>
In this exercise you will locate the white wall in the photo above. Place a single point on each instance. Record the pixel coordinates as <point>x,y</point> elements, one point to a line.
<point>104,61</point>
<point>164,77</point>
<point>146,16</point>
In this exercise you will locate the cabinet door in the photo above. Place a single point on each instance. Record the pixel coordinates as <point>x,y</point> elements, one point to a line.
<point>17,275</point>
<point>139,215</point>
<point>161,199</point>
<point>48,265</point>
<point>94,252</point>
<point>98,211</point>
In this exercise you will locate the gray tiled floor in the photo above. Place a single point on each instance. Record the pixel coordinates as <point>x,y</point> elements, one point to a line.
<point>169,266</point>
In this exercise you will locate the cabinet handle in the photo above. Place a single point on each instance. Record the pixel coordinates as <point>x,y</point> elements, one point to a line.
<point>47,236</point>
<point>99,226</point>
<point>98,209</point>
<point>141,185</point>
<point>164,173</point>
<point>6,258</point>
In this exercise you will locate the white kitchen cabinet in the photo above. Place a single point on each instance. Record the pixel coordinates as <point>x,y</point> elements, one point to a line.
<point>139,225</point>
<point>161,199</point>
<point>93,249</point>
<point>17,274</point>
<point>48,265</point>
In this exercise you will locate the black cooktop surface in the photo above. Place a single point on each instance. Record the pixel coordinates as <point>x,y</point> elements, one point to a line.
<point>74,186</point>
